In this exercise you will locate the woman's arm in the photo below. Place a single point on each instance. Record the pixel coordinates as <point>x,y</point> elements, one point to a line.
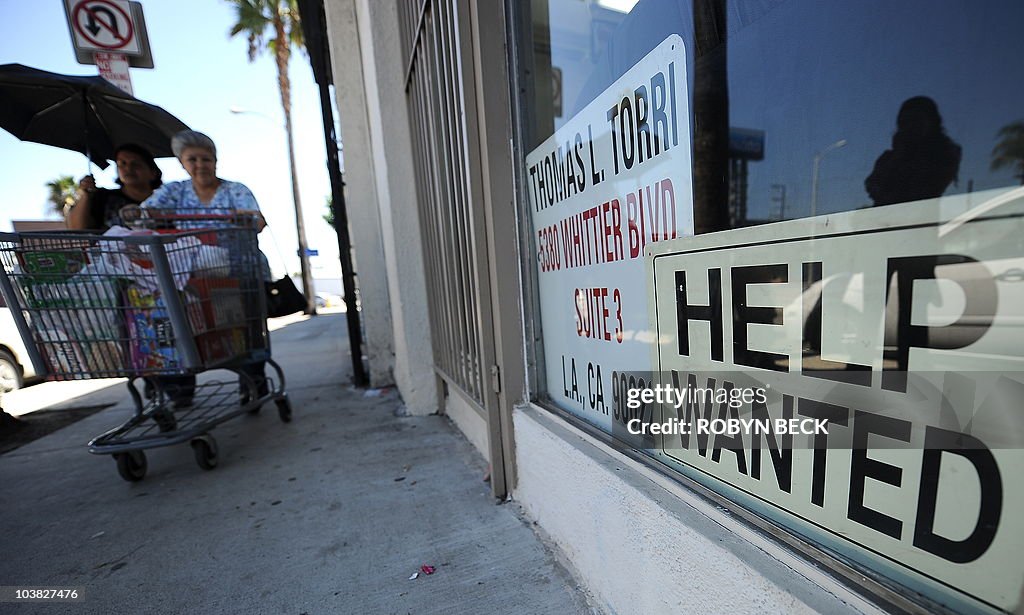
<point>245,202</point>
<point>261,222</point>
<point>164,197</point>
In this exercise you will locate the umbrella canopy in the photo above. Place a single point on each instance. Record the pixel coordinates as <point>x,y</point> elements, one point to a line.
<point>80,113</point>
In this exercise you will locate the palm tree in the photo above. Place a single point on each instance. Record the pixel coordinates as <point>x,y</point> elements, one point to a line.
<point>329,216</point>
<point>281,18</point>
<point>1009,152</point>
<point>62,194</point>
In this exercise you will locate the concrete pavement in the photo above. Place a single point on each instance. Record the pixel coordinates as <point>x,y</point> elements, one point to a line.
<point>331,513</point>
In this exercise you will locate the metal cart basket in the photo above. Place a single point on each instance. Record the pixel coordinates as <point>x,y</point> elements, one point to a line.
<point>157,307</point>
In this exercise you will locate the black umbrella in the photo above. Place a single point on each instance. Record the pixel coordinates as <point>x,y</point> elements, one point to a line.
<point>80,113</point>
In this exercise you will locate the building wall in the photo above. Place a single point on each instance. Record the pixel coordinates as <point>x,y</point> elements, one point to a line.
<point>361,190</point>
<point>369,79</point>
<point>644,545</point>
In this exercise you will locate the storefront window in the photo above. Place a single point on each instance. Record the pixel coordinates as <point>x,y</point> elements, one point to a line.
<point>787,195</point>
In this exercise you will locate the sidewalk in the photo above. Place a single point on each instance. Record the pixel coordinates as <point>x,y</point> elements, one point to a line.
<point>331,513</point>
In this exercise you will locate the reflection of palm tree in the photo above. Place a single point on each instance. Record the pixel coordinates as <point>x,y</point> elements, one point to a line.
<point>711,118</point>
<point>62,194</point>
<point>1009,152</point>
<point>282,18</point>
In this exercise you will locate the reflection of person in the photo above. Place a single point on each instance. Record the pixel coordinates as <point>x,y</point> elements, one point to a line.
<point>205,191</point>
<point>98,208</point>
<point>922,162</point>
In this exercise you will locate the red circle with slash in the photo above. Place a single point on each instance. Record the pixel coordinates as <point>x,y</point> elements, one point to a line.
<point>110,27</point>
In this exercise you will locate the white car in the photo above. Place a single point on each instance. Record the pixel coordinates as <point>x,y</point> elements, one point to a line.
<point>326,300</point>
<point>15,366</point>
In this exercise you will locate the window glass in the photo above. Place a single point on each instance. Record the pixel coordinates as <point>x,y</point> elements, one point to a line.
<point>839,184</point>
<point>812,85</point>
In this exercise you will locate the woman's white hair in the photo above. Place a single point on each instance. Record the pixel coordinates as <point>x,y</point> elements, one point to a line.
<point>191,138</point>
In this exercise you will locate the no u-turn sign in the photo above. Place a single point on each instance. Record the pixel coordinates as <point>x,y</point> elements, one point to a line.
<point>103,26</point>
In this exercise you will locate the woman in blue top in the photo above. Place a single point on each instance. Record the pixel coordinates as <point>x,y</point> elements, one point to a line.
<point>198,155</point>
<point>205,191</point>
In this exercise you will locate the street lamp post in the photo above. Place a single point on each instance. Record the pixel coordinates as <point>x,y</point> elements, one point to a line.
<point>814,173</point>
<point>300,225</point>
<point>780,199</point>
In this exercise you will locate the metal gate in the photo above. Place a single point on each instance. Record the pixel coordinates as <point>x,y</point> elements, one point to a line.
<point>441,89</point>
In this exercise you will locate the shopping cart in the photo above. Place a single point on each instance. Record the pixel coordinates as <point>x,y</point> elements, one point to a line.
<point>159,308</point>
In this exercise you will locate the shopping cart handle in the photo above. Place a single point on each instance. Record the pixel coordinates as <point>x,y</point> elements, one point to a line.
<point>148,217</point>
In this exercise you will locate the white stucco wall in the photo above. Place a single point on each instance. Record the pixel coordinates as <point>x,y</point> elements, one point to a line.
<point>361,190</point>
<point>644,545</point>
<point>369,78</point>
<point>391,147</point>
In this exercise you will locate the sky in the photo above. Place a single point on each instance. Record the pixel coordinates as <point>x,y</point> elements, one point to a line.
<point>199,74</point>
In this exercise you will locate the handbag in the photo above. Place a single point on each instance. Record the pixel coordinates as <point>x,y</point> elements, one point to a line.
<point>283,298</point>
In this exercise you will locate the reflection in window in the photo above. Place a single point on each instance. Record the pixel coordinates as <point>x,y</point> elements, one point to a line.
<point>796,105</point>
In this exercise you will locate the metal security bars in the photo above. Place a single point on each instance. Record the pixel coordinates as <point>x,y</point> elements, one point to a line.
<point>442,120</point>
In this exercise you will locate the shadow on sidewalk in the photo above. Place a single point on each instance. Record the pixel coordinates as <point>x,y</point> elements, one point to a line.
<point>19,431</point>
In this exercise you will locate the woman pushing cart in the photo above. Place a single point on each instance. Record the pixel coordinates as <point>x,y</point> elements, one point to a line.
<point>149,306</point>
<point>161,306</point>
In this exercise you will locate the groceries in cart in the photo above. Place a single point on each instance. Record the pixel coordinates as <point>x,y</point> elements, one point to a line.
<point>71,342</point>
<point>98,305</point>
<point>175,296</point>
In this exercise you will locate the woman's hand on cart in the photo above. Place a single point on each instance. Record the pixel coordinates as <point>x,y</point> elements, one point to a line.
<point>259,222</point>
<point>130,215</point>
<point>134,216</point>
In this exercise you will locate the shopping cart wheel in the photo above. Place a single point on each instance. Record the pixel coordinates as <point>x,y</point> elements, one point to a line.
<point>205,449</point>
<point>131,465</point>
<point>284,409</point>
